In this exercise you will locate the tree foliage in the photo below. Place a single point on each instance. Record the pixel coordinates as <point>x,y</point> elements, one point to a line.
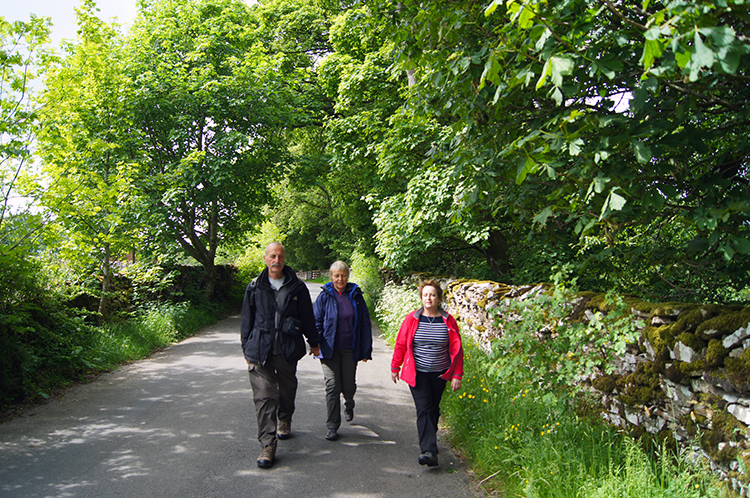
<point>607,121</point>
<point>209,108</point>
<point>86,150</point>
<point>22,55</point>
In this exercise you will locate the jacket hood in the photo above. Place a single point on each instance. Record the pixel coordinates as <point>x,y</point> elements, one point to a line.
<point>353,288</point>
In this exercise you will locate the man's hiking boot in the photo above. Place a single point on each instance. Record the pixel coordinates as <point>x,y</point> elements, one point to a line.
<point>428,458</point>
<point>284,430</point>
<point>265,460</point>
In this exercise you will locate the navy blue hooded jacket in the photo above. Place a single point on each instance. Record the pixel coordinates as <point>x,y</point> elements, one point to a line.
<point>326,319</point>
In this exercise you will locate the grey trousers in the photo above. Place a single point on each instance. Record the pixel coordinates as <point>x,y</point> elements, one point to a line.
<point>274,390</point>
<point>340,374</point>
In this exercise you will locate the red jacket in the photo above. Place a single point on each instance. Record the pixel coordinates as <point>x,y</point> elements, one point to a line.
<point>403,352</point>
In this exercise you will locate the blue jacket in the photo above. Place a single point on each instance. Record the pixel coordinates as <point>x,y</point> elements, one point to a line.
<point>326,320</point>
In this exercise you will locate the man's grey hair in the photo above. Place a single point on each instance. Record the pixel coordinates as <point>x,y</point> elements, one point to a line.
<point>340,266</point>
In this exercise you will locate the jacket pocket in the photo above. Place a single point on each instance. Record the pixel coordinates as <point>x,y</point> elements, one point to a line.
<point>291,326</point>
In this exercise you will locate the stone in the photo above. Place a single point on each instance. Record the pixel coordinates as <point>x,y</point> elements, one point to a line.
<point>740,412</point>
<point>632,417</point>
<point>719,382</point>
<point>701,386</point>
<point>682,352</point>
<point>730,398</point>
<point>737,337</point>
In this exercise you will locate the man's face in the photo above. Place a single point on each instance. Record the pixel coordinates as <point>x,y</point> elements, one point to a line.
<point>274,258</point>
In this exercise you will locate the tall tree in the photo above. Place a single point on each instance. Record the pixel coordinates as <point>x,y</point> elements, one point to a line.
<point>86,147</point>
<point>22,55</point>
<point>536,98</point>
<point>334,165</point>
<point>210,108</point>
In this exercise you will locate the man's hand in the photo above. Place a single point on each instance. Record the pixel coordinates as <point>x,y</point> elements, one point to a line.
<point>394,377</point>
<point>315,351</point>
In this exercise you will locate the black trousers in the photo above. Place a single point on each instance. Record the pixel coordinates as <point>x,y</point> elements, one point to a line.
<point>427,394</point>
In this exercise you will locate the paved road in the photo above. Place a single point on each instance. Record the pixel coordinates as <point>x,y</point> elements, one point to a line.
<point>181,424</point>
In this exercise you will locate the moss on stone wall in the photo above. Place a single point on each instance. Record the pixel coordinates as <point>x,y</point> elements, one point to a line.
<point>659,338</point>
<point>738,370</point>
<point>653,392</point>
<point>716,353</point>
<point>642,387</point>
<point>725,323</point>
<point>691,341</point>
<point>605,383</point>
<point>724,428</point>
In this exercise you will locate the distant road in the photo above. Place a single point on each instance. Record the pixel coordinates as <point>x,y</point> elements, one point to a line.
<point>181,424</point>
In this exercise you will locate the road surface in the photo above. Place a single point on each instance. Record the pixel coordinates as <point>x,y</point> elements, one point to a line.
<point>182,424</point>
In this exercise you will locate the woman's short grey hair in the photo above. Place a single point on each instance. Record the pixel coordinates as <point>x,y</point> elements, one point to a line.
<point>340,266</point>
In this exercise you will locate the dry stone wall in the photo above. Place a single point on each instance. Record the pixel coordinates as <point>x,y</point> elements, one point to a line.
<point>686,380</point>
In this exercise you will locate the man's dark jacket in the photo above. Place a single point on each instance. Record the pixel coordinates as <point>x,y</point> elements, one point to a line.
<point>260,323</point>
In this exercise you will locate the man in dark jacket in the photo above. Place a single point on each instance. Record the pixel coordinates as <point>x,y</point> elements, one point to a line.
<point>276,313</point>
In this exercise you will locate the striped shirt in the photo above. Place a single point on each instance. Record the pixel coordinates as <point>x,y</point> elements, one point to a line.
<point>431,345</point>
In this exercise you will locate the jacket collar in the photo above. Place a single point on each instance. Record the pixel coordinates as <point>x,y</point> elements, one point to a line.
<point>350,285</point>
<point>289,276</point>
<point>418,312</point>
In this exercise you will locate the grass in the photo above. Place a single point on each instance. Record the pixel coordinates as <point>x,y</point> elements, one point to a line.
<point>156,327</point>
<point>527,442</point>
<point>89,350</point>
<point>320,280</point>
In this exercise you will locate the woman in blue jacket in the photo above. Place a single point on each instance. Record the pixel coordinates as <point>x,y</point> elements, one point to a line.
<point>345,332</point>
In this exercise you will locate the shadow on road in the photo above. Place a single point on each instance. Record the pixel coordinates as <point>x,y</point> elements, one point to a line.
<point>181,423</point>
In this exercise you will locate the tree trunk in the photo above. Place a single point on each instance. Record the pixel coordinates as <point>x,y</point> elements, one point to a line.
<point>497,255</point>
<point>106,281</point>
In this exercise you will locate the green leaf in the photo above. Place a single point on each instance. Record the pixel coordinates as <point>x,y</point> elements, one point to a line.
<point>524,168</point>
<point>526,20</point>
<point>704,56</point>
<point>642,152</point>
<point>652,50</point>
<point>541,218</point>
<point>575,147</point>
<point>561,66</point>
<point>616,202</point>
<point>492,7</point>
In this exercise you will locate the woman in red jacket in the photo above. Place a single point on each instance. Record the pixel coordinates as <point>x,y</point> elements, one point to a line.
<point>428,346</point>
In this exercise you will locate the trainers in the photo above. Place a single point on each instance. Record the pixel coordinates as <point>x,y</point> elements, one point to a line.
<point>348,414</point>
<point>284,431</point>
<point>332,435</point>
<point>265,460</point>
<point>428,458</point>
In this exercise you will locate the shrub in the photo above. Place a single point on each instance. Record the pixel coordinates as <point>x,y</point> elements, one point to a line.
<point>395,302</point>
<point>365,274</point>
<point>541,345</point>
<point>250,264</point>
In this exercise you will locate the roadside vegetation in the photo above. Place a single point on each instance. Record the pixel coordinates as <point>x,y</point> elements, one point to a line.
<point>526,431</point>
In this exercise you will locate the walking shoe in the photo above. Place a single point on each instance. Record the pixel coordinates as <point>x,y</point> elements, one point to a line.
<point>265,460</point>
<point>332,435</point>
<point>284,431</point>
<point>428,458</point>
<point>348,414</point>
